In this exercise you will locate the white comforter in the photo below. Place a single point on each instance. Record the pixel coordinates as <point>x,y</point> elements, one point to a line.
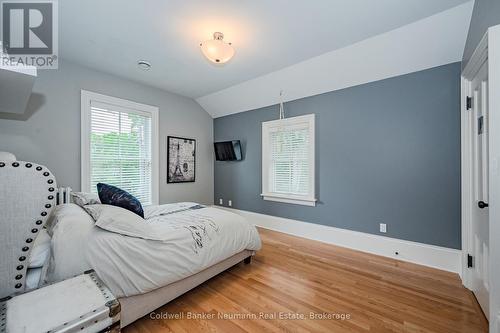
<point>191,240</point>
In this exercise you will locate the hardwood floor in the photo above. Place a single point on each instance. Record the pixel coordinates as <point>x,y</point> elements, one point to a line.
<point>295,276</point>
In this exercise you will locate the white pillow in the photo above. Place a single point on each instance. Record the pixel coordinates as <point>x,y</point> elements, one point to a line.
<point>85,198</point>
<point>41,250</point>
<point>70,229</point>
<point>69,213</point>
<point>121,221</point>
<point>93,210</point>
<point>33,276</point>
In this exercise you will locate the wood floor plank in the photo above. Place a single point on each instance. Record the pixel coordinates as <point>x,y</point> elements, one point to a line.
<point>293,276</point>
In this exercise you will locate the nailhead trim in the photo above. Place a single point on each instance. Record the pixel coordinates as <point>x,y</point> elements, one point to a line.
<point>3,316</point>
<point>21,268</point>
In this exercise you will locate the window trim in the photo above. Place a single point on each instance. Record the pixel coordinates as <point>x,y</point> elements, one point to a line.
<point>86,98</point>
<point>267,127</point>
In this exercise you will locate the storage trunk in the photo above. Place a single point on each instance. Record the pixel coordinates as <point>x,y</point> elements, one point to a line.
<point>80,304</point>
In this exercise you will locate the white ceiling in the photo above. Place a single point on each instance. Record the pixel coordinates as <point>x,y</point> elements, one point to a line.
<point>430,42</point>
<point>268,35</point>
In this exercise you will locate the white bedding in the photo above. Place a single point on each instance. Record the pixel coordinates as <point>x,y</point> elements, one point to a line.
<point>190,240</point>
<point>33,276</point>
<point>41,250</point>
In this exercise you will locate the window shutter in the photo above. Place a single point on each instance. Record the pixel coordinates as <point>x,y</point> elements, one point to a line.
<point>121,149</point>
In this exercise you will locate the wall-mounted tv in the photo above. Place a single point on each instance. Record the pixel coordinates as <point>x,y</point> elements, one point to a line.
<point>228,151</point>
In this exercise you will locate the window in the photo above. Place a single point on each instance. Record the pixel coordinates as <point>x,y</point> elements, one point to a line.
<point>288,160</point>
<point>120,146</point>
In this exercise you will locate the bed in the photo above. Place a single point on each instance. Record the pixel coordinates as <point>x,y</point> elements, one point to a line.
<point>176,248</point>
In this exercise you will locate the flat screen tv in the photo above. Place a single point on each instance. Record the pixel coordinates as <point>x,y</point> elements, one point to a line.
<point>228,151</point>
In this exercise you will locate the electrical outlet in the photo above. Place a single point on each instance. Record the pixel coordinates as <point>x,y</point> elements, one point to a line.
<point>221,202</point>
<point>383,227</point>
<point>230,203</point>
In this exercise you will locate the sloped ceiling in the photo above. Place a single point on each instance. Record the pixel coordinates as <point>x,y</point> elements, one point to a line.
<point>433,41</point>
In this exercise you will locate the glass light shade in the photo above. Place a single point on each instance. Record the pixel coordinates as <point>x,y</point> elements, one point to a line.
<point>216,50</point>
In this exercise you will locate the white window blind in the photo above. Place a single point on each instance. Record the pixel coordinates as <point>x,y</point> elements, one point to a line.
<point>121,149</point>
<point>288,160</point>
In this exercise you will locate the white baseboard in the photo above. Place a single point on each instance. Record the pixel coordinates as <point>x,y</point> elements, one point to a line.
<point>428,255</point>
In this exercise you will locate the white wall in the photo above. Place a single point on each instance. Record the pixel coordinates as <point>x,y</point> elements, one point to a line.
<point>49,131</point>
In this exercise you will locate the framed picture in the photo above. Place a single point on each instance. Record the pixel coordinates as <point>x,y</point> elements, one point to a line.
<point>181,159</point>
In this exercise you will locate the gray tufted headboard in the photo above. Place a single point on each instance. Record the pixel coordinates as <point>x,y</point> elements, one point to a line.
<point>27,193</point>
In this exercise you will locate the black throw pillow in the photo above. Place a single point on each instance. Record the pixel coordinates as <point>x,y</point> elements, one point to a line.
<point>112,195</point>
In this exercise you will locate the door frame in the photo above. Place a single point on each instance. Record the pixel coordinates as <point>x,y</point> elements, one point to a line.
<point>479,57</point>
<point>487,50</point>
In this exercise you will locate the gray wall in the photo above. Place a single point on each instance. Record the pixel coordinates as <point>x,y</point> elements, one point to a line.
<point>49,133</point>
<point>486,14</point>
<point>387,151</point>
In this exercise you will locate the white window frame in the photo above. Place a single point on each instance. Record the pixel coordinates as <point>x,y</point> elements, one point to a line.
<point>86,98</point>
<point>267,128</point>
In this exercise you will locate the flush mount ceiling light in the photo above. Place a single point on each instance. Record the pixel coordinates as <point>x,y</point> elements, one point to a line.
<point>216,50</point>
<point>144,65</point>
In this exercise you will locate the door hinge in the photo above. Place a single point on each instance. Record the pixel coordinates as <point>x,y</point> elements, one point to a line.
<point>470,261</point>
<point>468,103</point>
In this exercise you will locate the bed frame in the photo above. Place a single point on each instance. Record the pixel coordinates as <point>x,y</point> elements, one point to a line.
<point>138,306</point>
<point>22,217</point>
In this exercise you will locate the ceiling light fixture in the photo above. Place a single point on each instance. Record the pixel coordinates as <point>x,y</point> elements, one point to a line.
<point>144,65</point>
<point>216,50</point>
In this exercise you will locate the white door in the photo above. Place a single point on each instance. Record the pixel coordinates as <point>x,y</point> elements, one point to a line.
<point>478,148</point>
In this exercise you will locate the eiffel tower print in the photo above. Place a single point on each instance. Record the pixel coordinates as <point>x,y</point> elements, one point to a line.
<point>181,153</point>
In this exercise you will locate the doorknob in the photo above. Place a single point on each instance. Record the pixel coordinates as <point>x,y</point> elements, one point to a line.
<point>482,204</point>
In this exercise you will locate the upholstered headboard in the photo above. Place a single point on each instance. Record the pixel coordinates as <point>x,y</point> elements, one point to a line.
<point>27,197</point>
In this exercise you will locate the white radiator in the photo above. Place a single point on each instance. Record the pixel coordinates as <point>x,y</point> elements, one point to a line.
<point>63,195</point>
